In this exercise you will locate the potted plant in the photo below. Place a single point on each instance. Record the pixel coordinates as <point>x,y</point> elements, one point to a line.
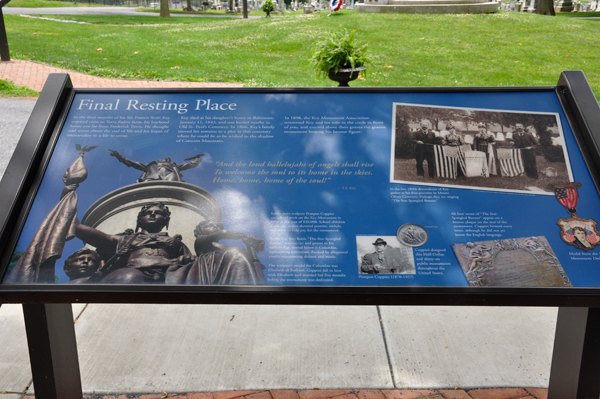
<point>267,7</point>
<point>340,57</point>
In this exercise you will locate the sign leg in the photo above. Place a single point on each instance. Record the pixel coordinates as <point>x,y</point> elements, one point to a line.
<point>53,351</point>
<point>575,371</point>
<point>4,53</point>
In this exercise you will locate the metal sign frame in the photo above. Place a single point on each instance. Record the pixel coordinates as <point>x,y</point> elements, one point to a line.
<point>32,154</point>
<point>47,309</point>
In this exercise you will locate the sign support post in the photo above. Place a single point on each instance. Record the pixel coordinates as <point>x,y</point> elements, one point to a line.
<point>576,356</point>
<point>53,351</point>
<point>4,53</point>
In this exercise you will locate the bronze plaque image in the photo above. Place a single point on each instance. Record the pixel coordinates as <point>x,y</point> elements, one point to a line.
<point>516,262</point>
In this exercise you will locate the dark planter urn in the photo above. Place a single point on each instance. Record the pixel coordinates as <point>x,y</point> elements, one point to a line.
<point>345,75</point>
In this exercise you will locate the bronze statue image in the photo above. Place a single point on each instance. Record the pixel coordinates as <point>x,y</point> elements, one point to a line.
<point>37,263</point>
<point>221,264</point>
<point>163,169</point>
<point>146,255</point>
<point>81,265</point>
<point>150,255</point>
<point>217,263</point>
<point>137,257</point>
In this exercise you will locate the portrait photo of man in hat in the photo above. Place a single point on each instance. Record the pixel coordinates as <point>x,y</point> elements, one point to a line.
<point>386,259</point>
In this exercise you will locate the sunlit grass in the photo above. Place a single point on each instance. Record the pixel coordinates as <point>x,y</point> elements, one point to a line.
<point>502,49</point>
<point>156,10</point>
<point>48,3</point>
<point>9,89</point>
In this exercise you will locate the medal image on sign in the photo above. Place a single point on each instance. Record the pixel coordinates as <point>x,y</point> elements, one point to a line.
<point>581,233</point>
<point>412,235</point>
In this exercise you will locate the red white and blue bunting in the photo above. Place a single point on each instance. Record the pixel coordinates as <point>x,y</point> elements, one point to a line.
<point>335,5</point>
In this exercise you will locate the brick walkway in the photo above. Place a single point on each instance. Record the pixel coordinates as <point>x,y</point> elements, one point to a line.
<point>33,75</point>
<point>496,393</point>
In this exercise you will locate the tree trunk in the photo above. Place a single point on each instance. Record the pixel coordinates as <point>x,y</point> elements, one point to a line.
<point>545,7</point>
<point>164,8</point>
<point>189,6</point>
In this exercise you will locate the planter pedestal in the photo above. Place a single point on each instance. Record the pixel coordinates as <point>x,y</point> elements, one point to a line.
<point>345,75</point>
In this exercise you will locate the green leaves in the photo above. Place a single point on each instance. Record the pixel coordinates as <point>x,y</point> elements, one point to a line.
<point>9,89</point>
<point>268,6</point>
<point>337,51</point>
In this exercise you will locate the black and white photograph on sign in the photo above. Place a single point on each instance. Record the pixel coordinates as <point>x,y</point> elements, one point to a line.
<point>478,148</point>
<point>515,262</point>
<point>384,255</point>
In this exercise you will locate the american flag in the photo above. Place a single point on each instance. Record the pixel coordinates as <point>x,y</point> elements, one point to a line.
<point>461,155</point>
<point>448,159</point>
<point>511,162</point>
<point>492,160</point>
<point>567,196</point>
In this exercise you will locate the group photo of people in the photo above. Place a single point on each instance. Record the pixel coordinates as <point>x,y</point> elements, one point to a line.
<point>470,147</point>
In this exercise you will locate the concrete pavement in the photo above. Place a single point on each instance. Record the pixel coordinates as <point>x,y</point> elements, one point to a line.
<point>133,349</point>
<point>284,352</point>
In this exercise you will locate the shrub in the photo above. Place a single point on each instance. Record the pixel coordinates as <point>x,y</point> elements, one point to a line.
<point>268,6</point>
<point>338,51</point>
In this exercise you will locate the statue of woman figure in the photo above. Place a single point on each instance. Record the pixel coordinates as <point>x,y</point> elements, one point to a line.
<point>150,255</point>
<point>139,257</point>
<point>218,263</point>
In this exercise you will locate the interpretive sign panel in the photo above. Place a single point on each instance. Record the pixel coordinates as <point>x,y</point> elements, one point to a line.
<point>443,189</point>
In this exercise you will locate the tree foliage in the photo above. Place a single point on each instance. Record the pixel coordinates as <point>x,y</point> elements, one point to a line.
<point>268,6</point>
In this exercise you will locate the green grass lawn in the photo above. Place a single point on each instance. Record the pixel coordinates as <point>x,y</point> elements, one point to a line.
<point>38,3</point>
<point>502,49</point>
<point>48,3</point>
<point>578,14</point>
<point>216,12</point>
<point>9,89</point>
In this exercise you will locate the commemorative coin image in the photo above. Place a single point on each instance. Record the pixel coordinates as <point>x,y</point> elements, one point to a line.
<point>412,235</point>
